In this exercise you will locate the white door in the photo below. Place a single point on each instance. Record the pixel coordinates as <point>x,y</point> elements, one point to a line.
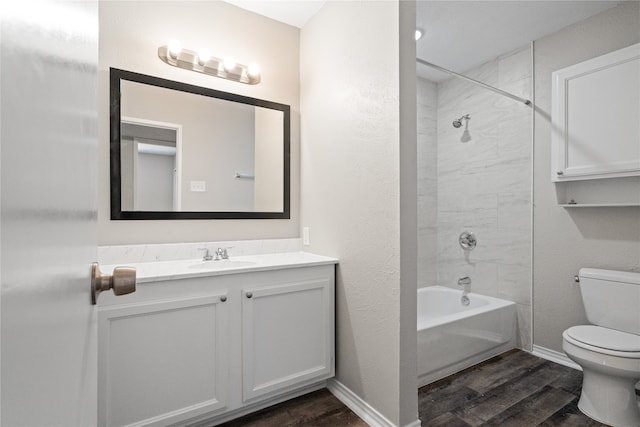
<point>49,56</point>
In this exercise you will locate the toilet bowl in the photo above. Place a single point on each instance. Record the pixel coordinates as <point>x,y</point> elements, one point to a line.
<point>608,350</point>
<point>609,374</point>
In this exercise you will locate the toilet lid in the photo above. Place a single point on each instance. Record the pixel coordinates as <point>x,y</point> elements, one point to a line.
<point>605,338</point>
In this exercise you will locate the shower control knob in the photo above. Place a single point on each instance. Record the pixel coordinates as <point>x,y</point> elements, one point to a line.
<point>467,241</point>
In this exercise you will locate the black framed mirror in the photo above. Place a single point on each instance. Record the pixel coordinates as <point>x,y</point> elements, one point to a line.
<point>180,151</point>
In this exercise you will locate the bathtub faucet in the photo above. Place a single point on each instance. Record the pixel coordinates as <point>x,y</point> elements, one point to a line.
<point>466,280</point>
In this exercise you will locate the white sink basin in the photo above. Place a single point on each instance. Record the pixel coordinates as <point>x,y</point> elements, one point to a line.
<point>220,265</point>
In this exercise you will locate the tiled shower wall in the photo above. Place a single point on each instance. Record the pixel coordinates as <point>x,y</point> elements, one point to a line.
<point>482,185</point>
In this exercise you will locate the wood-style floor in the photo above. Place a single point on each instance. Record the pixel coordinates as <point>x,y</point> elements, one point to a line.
<point>317,409</point>
<point>513,389</point>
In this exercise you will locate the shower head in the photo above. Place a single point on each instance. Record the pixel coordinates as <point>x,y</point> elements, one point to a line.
<point>457,123</point>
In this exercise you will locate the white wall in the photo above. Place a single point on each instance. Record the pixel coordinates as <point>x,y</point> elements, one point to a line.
<point>353,145</point>
<point>130,34</point>
<point>567,239</point>
<point>268,181</point>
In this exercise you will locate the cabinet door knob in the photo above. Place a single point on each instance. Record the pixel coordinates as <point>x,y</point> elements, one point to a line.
<point>559,173</point>
<point>223,298</point>
<point>249,294</point>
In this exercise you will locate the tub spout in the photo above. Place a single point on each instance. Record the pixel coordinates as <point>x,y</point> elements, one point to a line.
<point>466,280</point>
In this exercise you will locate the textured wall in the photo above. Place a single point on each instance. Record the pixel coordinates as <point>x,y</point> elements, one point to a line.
<point>351,160</point>
<point>130,34</point>
<point>483,185</point>
<point>567,239</point>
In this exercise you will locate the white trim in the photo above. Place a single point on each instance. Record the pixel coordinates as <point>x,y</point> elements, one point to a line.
<point>361,408</point>
<point>554,356</point>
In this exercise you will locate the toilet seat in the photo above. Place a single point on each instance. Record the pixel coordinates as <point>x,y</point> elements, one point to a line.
<point>604,340</point>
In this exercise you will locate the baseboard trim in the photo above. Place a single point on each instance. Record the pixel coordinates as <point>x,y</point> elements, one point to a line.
<point>361,408</point>
<point>554,356</point>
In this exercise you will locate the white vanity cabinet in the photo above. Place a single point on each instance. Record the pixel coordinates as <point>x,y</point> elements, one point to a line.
<point>203,350</point>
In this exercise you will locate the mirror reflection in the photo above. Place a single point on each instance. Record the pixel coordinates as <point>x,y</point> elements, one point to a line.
<point>191,152</point>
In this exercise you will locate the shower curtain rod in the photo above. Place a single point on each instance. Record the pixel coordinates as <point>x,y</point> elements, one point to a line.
<point>479,83</point>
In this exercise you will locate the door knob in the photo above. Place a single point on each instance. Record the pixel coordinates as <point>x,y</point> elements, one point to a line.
<point>122,281</point>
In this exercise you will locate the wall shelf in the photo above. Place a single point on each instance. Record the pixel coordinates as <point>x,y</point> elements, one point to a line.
<point>606,192</point>
<point>601,205</point>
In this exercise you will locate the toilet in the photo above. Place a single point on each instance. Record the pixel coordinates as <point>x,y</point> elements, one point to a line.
<point>608,350</point>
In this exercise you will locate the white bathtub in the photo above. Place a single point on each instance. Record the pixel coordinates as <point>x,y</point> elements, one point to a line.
<point>452,337</point>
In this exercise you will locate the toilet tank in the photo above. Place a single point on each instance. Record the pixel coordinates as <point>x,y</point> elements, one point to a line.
<point>611,298</point>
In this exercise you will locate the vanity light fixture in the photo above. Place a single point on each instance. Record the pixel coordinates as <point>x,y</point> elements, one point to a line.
<point>229,63</point>
<point>174,48</point>
<point>202,62</point>
<point>203,56</point>
<point>253,70</point>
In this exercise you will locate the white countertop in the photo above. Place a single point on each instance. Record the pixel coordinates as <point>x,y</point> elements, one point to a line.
<point>182,269</point>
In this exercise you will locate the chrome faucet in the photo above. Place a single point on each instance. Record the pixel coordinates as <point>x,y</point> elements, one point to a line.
<point>222,253</point>
<point>207,255</point>
<point>466,280</point>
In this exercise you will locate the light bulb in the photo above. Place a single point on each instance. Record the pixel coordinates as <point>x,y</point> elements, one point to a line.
<point>229,63</point>
<point>174,48</point>
<point>204,55</point>
<point>418,34</point>
<point>253,70</point>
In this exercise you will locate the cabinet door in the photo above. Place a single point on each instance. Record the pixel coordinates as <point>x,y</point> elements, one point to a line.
<point>287,336</point>
<point>162,362</point>
<point>596,105</point>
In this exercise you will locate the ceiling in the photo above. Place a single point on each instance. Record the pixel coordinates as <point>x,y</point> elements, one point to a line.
<point>292,12</point>
<point>460,35</point>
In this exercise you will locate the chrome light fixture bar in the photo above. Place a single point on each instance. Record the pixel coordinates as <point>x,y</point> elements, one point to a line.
<point>203,62</point>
